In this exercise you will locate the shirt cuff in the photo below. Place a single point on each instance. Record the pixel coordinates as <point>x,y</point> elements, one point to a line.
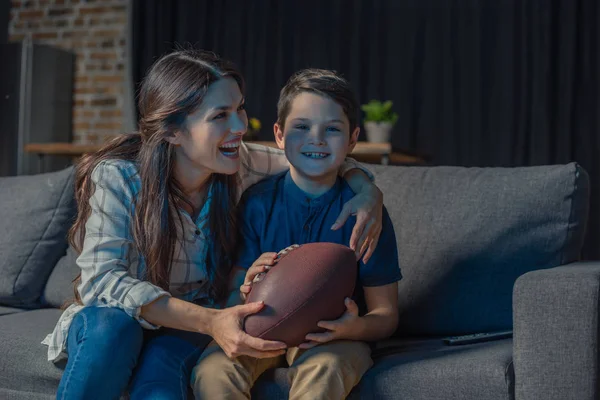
<point>143,293</point>
<point>350,163</point>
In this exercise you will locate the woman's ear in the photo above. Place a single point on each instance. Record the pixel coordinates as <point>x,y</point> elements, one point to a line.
<point>278,131</point>
<point>174,138</point>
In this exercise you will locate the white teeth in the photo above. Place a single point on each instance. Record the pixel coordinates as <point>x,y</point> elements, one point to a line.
<point>316,155</point>
<point>231,145</point>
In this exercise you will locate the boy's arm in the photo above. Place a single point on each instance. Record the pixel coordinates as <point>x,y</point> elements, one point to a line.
<point>379,323</point>
<point>381,320</point>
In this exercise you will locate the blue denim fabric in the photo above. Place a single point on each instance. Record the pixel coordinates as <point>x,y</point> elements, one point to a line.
<point>165,365</point>
<point>109,352</point>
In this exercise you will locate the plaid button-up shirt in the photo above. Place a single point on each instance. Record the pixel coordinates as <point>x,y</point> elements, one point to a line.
<point>112,271</point>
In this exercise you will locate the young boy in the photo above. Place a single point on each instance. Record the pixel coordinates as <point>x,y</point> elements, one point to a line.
<point>317,128</point>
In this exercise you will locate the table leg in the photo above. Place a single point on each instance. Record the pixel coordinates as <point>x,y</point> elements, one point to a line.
<point>40,163</point>
<point>385,159</point>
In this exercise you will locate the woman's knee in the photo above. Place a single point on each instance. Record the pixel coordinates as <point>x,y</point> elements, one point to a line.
<point>103,346</point>
<point>168,351</point>
<point>163,369</point>
<point>107,327</point>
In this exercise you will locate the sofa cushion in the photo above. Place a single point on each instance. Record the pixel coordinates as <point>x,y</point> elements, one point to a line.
<point>59,289</point>
<point>466,234</point>
<point>478,371</point>
<point>9,310</point>
<point>35,216</point>
<point>423,370</point>
<point>25,372</point>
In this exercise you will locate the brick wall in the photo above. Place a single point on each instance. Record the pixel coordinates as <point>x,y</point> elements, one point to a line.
<point>95,30</point>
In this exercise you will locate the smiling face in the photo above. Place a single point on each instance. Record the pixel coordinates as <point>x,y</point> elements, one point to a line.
<point>214,132</point>
<point>315,137</point>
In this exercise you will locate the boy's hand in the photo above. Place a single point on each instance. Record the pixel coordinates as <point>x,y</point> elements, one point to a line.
<point>342,328</point>
<point>262,264</point>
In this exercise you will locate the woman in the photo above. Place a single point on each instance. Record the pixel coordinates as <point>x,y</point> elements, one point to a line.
<point>156,230</point>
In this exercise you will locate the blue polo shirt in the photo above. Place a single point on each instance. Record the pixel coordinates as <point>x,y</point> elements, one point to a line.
<point>276,213</point>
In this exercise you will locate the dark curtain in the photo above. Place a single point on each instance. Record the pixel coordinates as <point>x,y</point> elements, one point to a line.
<point>4,18</point>
<point>476,83</point>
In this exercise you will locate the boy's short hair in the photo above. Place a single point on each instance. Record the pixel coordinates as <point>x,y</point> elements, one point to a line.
<point>323,82</point>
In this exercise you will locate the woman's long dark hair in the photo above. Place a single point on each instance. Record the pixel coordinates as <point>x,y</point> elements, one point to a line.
<point>173,89</point>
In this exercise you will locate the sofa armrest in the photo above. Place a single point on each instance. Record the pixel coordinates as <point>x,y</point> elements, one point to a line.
<point>555,315</point>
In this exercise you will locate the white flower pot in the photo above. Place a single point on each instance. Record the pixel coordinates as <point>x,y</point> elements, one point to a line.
<point>378,132</point>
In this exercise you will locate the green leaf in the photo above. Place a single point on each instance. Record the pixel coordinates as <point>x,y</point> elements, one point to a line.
<point>377,111</point>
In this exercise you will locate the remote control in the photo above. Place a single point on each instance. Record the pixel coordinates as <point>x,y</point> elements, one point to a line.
<point>477,338</point>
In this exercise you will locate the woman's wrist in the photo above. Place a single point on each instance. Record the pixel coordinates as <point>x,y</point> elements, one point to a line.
<point>375,191</point>
<point>204,320</point>
<point>174,313</point>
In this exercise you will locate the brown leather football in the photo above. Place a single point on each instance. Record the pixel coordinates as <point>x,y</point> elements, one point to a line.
<point>308,284</point>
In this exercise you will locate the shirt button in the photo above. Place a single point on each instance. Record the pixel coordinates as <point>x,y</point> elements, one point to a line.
<point>197,232</point>
<point>306,227</point>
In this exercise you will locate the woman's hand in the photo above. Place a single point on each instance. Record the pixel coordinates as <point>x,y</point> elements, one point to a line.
<point>367,205</point>
<point>342,328</point>
<point>261,265</point>
<point>226,330</point>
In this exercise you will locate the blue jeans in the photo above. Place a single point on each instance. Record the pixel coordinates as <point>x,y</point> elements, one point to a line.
<point>109,352</point>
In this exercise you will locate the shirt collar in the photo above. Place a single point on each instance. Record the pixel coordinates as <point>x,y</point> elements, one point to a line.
<point>296,194</point>
<point>202,218</point>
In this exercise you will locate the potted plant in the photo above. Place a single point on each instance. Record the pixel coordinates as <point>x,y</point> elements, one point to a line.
<point>254,126</point>
<point>379,120</point>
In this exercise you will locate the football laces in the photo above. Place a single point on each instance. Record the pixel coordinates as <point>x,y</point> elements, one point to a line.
<point>285,251</point>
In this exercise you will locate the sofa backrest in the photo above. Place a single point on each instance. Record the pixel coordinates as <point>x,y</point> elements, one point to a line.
<point>59,290</point>
<point>465,234</point>
<point>36,212</point>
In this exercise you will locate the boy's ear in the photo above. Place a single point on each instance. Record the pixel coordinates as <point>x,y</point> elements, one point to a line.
<point>353,140</point>
<point>278,132</point>
<point>174,138</point>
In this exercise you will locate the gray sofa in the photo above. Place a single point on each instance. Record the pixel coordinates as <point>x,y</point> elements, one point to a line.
<point>465,236</point>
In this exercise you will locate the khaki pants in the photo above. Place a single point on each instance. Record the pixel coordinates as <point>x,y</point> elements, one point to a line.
<point>328,371</point>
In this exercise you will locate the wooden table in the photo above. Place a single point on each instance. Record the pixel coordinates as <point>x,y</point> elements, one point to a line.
<point>61,149</point>
<point>378,153</point>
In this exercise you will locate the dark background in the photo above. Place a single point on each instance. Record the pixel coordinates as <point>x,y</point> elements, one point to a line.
<point>475,83</point>
<point>4,14</point>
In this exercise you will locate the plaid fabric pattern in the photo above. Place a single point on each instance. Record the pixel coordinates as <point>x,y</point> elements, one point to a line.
<point>112,271</point>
